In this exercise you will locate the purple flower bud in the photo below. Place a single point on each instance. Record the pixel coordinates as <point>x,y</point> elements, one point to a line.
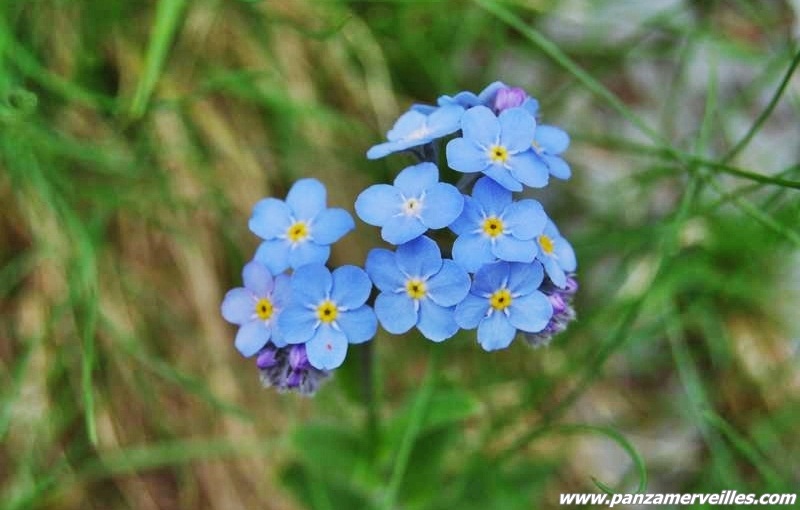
<point>298,359</point>
<point>509,97</point>
<point>294,378</point>
<point>558,303</point>
<point>572,285</point>
<point>266,357</point>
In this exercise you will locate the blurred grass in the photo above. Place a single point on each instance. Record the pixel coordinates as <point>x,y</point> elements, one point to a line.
<point>135,138</point>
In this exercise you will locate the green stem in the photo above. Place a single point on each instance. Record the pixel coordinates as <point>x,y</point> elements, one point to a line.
<point>368,394</point>
<point>414,425</point>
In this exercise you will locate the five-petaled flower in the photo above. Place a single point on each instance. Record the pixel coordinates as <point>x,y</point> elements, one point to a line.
<point>327,312</point>
<point>492,227</point>
<point>255,308</point>
<point>498,146</point>
<point>418,288</point>
<point>418,126</point>
<point>416,202</point>
<point>300,230</point>
<point>556,254</point>
<point>503,299</point>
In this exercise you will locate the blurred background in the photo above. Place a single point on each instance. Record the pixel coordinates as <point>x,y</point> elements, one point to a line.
<point>135,137</point>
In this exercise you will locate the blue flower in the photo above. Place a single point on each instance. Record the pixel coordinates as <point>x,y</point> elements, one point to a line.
<point>503,299</point>
<point>300,230</point>
<point>497,96</point>
<point>416,127</point>
<point>499,147</point>
<point>418,288</point>
<point>548,143</point>
<point>328,312</point>
<point>416,202</point>
<point>556,254</point>
<point>255,308</point>
<point>493,227</point>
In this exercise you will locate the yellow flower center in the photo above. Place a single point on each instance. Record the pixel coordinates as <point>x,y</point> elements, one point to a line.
<point>327,311</point>
<point>546,244</point>
<point>264,309</point>
<point>412,207</point>
<point>493,226</point>
<point>415,288</point>
<point>500,299</point>
<point>498,154</point>
<point>298,232</point>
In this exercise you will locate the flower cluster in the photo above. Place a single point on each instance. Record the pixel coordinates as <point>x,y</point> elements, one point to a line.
<point>508,271</point>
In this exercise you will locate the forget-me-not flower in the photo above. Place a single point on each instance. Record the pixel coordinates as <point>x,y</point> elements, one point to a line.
<point>503,299</point>
<point>492,227</point>
<point>497,96</point>
<point>548,143</point>
<point>300,230</point>
<point>328,312</point>
<point>556,254</point>
<point>498,146</point>
<point>417,127</point>
<point>418,288</point>
<point>255,308</point>
<point>416,202</point>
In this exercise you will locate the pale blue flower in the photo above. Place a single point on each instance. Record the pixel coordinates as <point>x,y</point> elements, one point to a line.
<point>300,230</point>
<point>498,146</point>
<point>255,308</point>
<point>548,143</point>
<point>503,300</point>
<point>492,226</point>
<point>328,312</point>
<point>418,288</point>
<point>416,202</point>
<point>556,254</point>
<point>415,128</point>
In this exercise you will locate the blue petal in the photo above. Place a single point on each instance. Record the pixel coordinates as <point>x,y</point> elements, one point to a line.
<point>470,312</point>
<point>308,252</point>
<point>376,204</point>
<point>238,306</point>
<point>495,332</point>
<point>557,166</point>
<point>419,258</point>
<point>504,177</point>
<point>487,94</point>
<point>450,285</point>
<point>513,250</point>
<point>422,108</point>
<point>491,277</point>
<point>553,140</point>
<point>406,125</point>
<point>413,180</point>
<point>555,272</point>
<point>532,106</point>
<point>470,218</point>
<point>359,325</point>
<point>257,278</point>
<point>330,225</point>
<point>383,271</point>
<point>384,149</point>
<point>351,286</point>
<point>306,198</point>
<point>464,98</point>
<point>251,337</point>
<point>517,129</point>
<point>327,348</point>
<point>465,156</point>
<point>297,324</point>
<point>274,254</point>
<point>311,284</point>
<point>436,322</point>
<point>529,169</point>
<point>396,312</point>
<point>400,229</point>
<point>566,255</point>
<point>471,251</point>
<point>270,219</point>
<point>530,313</point>
<point>445,120</point>
<point>282,291</point>
<point>443,204</point>
<point>550,230</point>
<point>525,219</point>
<point>492,197</point>
<point>524,278</point>
<point>479,125</point>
